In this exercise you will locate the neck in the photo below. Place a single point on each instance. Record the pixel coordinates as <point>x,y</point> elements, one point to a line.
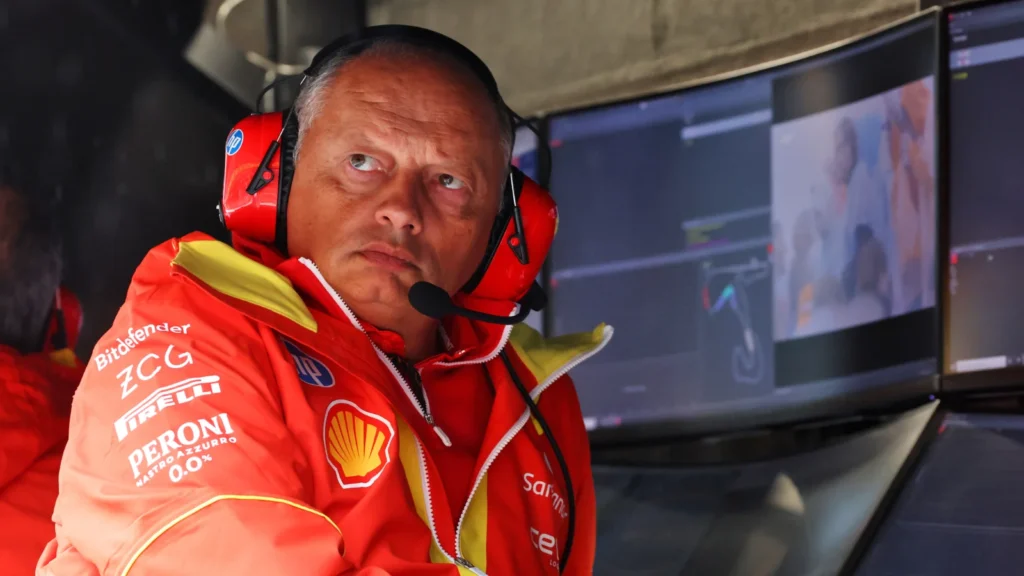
<point>421,341</point>
<point>419,332</point>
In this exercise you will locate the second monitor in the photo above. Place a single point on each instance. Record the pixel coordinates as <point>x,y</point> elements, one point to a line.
<point>764,246</point>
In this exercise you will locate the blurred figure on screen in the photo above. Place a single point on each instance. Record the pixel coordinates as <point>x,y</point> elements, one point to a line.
<point>862,296</point>
<point>803,273</point>
<point>908,164</point>
<point>858,199</point>
<point>872,295</point>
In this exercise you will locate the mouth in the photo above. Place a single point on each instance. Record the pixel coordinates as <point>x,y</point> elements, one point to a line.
<point>387,256</point>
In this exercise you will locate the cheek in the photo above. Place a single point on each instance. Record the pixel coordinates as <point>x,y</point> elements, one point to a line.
<point>459,253</point>
<point>315,225</point>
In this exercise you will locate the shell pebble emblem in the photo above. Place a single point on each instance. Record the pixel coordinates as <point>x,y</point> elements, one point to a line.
<point>357,443</point>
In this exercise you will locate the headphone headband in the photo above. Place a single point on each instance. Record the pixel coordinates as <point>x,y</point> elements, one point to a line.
<point>358,42</point>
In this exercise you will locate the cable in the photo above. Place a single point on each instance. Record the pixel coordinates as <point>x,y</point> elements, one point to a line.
<point>570,496</point>
<point>542,145</point>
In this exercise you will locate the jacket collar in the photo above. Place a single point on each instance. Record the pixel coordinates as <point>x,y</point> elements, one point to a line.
<point>466,341</point>
<point>257,281</point>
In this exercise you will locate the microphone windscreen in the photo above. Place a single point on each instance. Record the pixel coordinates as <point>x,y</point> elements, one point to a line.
<point>536,299</point>
<point>430,299</point>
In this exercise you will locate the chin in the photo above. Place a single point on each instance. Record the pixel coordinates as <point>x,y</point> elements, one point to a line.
<point>377,287</point>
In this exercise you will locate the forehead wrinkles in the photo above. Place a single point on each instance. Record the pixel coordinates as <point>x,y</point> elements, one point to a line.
<point>420,86</point>
<point>439,120</point>
<point>391,120</point>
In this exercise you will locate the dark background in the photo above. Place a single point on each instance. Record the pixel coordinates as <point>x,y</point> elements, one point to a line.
<point>117,130</point>
<point>121,135</point>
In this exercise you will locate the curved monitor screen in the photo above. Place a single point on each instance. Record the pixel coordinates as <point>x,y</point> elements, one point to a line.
<point>986,231</point>
<point>758,244</point>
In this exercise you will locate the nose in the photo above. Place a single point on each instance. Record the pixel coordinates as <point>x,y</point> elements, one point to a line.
<point>399,206</point>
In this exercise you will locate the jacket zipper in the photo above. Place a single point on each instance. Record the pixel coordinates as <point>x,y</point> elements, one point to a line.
<point>507,438</point>
<point>424,411</point>
<point>424,408</point>
<point>426,500</point>
<point>505,335</point>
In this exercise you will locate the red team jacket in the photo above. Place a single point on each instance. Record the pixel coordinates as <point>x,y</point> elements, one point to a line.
<point>35,399</point>
<point>239,419</point>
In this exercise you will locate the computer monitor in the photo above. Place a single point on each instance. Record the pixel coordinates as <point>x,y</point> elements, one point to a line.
<point>984,343</point>
<point>750,277</point>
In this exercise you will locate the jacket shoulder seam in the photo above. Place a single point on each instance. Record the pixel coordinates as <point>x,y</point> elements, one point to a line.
<point>225,271</point>
<point>210,502</point>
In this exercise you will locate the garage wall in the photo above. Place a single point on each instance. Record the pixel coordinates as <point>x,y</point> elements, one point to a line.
<point>552,54</point>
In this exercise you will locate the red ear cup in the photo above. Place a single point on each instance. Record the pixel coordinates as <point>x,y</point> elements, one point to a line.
<point>503,276</point>
<point>252,214</point>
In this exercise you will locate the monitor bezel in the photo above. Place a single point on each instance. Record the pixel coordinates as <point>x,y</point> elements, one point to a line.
<point>896,394</point>
<point>981,381</point>
<point>882,513</point>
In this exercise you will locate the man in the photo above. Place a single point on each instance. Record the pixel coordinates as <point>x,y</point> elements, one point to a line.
<point>261,415</point>
<point>858,201</point>
<point>909,140</point>
<point>36,379</point>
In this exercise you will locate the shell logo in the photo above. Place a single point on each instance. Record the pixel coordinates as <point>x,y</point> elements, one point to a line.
<point>356,443</point>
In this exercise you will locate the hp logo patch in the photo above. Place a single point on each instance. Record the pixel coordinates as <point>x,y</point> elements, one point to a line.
<point>234,142</point>
<point>311,371</point>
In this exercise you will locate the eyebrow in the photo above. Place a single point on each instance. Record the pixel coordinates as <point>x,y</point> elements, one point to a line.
<point>472,163</point>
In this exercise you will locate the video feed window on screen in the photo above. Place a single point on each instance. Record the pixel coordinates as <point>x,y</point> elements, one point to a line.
<point>986,175</point>
<point>854,211</point>
<point>758,243</point>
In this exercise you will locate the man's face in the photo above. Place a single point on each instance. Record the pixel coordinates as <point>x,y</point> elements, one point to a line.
<point>398,180</point>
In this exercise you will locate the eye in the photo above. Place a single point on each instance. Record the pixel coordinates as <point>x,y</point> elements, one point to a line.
<point>363,163</point>
<point>451,182</point>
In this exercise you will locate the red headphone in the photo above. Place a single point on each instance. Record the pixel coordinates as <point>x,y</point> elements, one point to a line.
<point>259,165</point>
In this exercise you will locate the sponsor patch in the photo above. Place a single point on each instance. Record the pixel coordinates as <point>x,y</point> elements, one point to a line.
<point>132,338</point>
<point>545,544</point>
<point>310,370</point>
<point>234,143</point>
<point>181,451</point>
<point>547,491</point>
<point>357,443</point>
<point>149,366</point>
<point>163,398</point>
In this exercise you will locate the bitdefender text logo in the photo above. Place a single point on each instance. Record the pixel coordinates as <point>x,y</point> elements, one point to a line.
<point>132,338</point>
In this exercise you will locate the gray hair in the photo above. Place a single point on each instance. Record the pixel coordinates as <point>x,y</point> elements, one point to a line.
<point>310,101</point>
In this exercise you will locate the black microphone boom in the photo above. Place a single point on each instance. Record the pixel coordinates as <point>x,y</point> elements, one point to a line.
<point>433,301</point>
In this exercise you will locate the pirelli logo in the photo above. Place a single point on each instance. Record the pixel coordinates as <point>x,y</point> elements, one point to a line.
<point>163,398</point>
